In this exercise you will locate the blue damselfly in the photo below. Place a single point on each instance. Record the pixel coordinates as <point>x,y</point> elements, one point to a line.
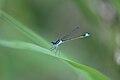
<point>68,37</point>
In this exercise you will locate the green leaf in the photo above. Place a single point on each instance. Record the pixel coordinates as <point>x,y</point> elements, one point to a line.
<point>94,74</point>
<point>22,28</point>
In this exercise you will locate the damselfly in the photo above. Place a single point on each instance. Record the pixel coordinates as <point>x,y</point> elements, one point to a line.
<point>68,37</point>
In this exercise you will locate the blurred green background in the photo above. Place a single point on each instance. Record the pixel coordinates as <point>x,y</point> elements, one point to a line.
<point>51,19</point>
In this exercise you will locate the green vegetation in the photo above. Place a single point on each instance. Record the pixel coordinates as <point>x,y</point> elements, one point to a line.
<point>24,50</point>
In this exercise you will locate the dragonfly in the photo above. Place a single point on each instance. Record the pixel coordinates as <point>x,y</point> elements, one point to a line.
<point>68,37</point>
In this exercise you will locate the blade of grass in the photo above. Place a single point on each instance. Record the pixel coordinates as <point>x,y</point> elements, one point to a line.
<point>22,28</point>
<point>94,74</point>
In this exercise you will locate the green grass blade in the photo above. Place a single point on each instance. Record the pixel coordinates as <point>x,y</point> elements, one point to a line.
<point>22,28</point>
<point>94,74</point>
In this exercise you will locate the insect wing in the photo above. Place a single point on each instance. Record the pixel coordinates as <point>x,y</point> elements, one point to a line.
<point>72,34</point>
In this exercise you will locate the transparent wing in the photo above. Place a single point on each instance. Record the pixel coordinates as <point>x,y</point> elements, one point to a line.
<point>72,34</point>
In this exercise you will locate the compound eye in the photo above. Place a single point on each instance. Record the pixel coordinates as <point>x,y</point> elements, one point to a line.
<point>52,43</point>
<point>87,34</point>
